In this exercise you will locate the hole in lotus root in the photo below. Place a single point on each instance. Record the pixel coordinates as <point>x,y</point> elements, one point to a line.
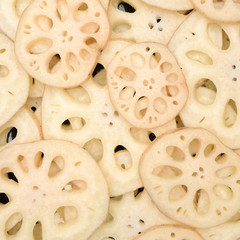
<point>81,12</point>
<point>62,10</point>
<point>54,63</point>
<point>125,7</point>
<point>73,123</point>
<point>79,94</point>
<point>172,77</point>
<point>137,60</point>
<point>85,54</point>
<point>170,91</point>
<point>205,91</point>
<point>218,4</point>
<point>230,113</point>
<point>122,157</point>
<point>165,67</point>
<point>94,148</point>
<point>39,46</point>
<point>223,191</point>
<point>194,147</point>
<point>8,175</point>
<point>7,135</point>
<point>14,224</point>
<point>121,27</point>
<point>177,193</point>
<point>138,192</point>
<point>201,202</point>
<point>140,135</point>
<point>90,28</point>
<point>125,73</point>
<point>72,62</point>
<point>166,172</point>
<point>65,215</point>
<point>141,107</point>
<point>38,159</point>
<point>91,42</point>
<point>4,198</point>
<point>154,60</point>
<point>20,6</point>
<point>221,158</point>
<point>56,166</point>
<point>37,231</point>
<point>127,93</point>
<point>4,71</point>
<point>200,57</point>
<point>44,23</point>
<point>209,149</point>
<point>226,172</point>
<point>175,153</point>
<point>179,122</point>
<point>75,185</point>
<point>218,36</point>
<point>160,105</point>
<point>100,75</point>
<point>22,161</point>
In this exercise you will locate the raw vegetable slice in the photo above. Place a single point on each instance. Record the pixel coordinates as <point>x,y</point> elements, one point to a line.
<point>142,22</point>
<point>10,13</point>
<point>52,189</point>
<point>23,127</point>
<point>220,10</point>
<point>85,115</point>
<point>14,81</point>
<point>146,85</point>
<point>129,215</point>
<point>192,177</point>
<point>208,53</point>
<point>171,5</point>
<point>169,232</point>
<point>82,30</point>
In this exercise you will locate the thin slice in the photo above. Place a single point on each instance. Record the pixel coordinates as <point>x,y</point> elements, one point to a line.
<point>146,85</point>
<point>200,189</point>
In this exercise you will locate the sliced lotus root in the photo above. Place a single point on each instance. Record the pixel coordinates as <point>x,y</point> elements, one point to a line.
<point>10,13</point>
<point>85,115</point>
<point>220,10</point>
<point>51,188</point>
<point>82,28</point>
<point>171,5</point>
<point>169,232</point>
<point>21,128</point>
<point>14,81</point>
<point>192,177</point>
<point>138,21</point>
<point>208,53</point>
<point>146,85</point>
<point>129,215</point>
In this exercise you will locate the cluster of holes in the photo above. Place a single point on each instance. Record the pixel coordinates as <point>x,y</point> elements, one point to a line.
<point>8,135</point>
<point>152,25</point>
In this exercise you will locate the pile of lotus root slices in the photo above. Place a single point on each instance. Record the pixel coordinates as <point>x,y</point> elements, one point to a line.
<point>119,120</point>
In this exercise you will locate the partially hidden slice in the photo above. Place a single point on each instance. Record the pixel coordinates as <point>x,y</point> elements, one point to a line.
<point>52,189</point>
<point>14,81</point>
<point>82,28</point>
<point>169,232</point>
<point>146,85</point>
<point>192,177</point>
<point>130,215</point>
<point>219,10</point>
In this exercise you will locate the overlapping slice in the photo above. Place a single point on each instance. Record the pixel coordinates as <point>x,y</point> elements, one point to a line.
<point>208,53</point>
<point>171,5</point>
<point>169,232</point>
<point>146,85</point>
<point>52,189</point>
<point>130,215</point>
<point>192,177</point>
<point>82,30</point>
<point>13,79</point>
<point>220,10</point>
<point>141,22</point>
<point>85,115</point>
